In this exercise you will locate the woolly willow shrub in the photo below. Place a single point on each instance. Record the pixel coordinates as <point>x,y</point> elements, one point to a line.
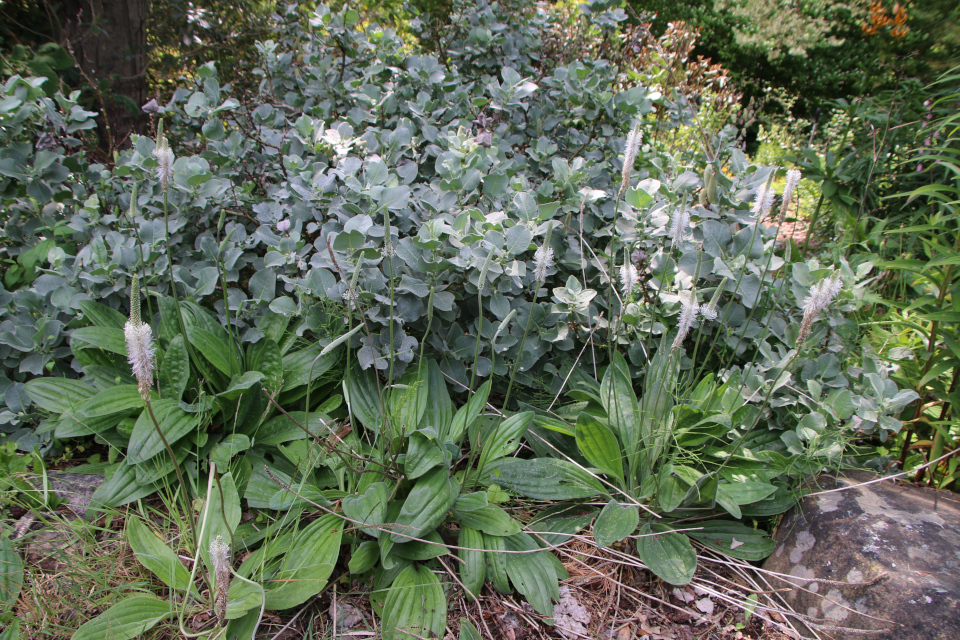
<point>422,178</point>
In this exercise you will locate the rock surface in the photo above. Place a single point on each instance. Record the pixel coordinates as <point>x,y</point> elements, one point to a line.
<point>887,557</point>
<point>52,535</point>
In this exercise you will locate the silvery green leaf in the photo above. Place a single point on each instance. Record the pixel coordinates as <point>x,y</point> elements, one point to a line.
<point>263,285</point>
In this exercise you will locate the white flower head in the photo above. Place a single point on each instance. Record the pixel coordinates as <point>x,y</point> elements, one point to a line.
<point>688,313</point>
<point>709,311</point>
<point>629,278</point>
<point>139,339</point>
<point>763,201</point>
<point>821,294</point>
<point>164,155</point>
<point>219,556</point>
<point>543,261</point>
<point>283,226</point>
<point>630,151</point>
<point>679,225</point>
<point>793,179</point>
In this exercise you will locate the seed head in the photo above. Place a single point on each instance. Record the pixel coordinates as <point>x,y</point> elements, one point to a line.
<point>821,294</point>
<point>763,201</point>
<point>629,277</point>
<point>793,179</point>
<point>543,260</point>
<point>164,155</point>
<point>139,338</point>
<point>709,311</point>
<point>688,313</point>
<point>679,225</point>
<point>630,151</point>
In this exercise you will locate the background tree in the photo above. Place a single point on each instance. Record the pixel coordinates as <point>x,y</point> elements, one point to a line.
<point>108,41</point>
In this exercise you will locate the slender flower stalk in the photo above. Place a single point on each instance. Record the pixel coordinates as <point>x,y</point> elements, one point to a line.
<point>220,559</point>
<point>688,313</point>
<point>679,225</point>
<point>793,179</point>
<point>139,338</point>
<point>630,151</point>
<point>629,277</point>
<point>140,355</point>
<point>821,294</point>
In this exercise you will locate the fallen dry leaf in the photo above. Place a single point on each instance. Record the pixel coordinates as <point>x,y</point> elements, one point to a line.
<point>705,605</point>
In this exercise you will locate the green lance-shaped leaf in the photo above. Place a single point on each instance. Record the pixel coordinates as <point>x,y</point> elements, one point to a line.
<point>734,539</point>
<point>363,397</point>
<point>426,505</point>
<point>423,454</point>
<point>615,522</point>
<point>468,413</point>
<point>215,349</point>
<point>473,568</point>
<point>369,508</point>
<point>623,410</point>
<point>431,547</point>
<point>731,496</point>
<point>11,574</point>
<point>101,315</point>
<point>223,515</point>
<point>303,573</point>
<point>544,478</point>
<point>409,405</point>
<point>490,519</point>
<point>599,446</point>
<point>120,399</point>
<point>532,574</point>
<point>657,404</point>
<point>505,438</point>
<point>160,559</point>
<point>174,375</point>
<point>241,598</point>
<point>265,357</point>
<point>365,556</point>
<point>175,423</point>
<point>414,606</point>
<point>57,394</point>
<point>122,488</point>
<point>667,554</point>
<point>306,365</point>
<point>496,562</point>
<point>12,632</point>
<point>126,619</point>
<point>109,339</point>
<point>439,411</point>
<point>468,631</point>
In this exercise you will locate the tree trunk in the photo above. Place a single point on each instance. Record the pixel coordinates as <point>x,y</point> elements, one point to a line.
<point>109,41</point>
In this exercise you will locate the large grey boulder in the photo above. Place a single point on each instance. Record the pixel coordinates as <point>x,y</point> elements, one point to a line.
<point>887,557</point>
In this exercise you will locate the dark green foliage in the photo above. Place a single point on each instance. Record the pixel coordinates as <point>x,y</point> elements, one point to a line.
<point>814,49</point>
